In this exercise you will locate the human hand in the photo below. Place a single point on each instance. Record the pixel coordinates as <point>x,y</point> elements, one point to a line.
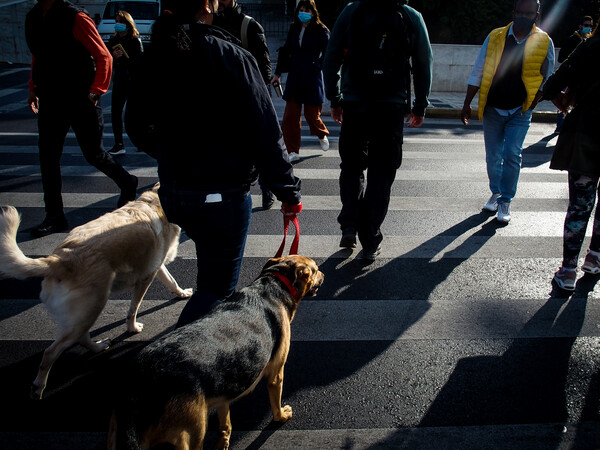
<point>117,52</point>
<point>563,102</point>
<point>33,102</point>
<point>337,114</point>
<point>414,121</point>
<point>275,80</point>
<point>291,210</point>
<point>465,114</point>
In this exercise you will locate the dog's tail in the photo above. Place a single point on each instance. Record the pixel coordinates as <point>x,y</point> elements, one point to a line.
<point>13,263</point>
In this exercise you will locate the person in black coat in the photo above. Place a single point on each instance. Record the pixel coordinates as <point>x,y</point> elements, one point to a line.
<point>205,169</point>
<point>125,46</point>
<point>302,58</point>
<point>577,84</point>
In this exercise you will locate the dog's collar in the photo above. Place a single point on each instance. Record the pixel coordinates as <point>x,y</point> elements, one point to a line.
<point>288,284</point>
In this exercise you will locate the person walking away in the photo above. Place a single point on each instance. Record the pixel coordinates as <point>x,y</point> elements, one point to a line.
<point>205,170</point>
<point>373,42</point>
<point>302,58</point>
<point>580,35</point>
<point>70,70</point>
<point>126,47</point>
<point>578,152</point>
<point>252,37</point>
<point>509,73</point>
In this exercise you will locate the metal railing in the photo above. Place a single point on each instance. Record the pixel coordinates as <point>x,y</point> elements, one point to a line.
<point>274,18</point>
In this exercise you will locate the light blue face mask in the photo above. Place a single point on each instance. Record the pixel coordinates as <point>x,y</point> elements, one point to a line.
<point>120,27</point>
<point>586,30</point>
<point>304,17</point>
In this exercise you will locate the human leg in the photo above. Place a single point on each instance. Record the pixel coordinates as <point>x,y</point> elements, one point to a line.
<point>219,232</point>
<point>582,197</point>
<point>493,136</point>
<point>515,132</point>
<point>386,127</point>
<point>353,155</point>
<point>52,129</point>
<point>88,125</point>
<point>291,126</point>
<point>312,114</point>
<point>119,97</point>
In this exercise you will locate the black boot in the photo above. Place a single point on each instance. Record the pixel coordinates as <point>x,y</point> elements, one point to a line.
<point>50,225</point>
<point>267,199</point>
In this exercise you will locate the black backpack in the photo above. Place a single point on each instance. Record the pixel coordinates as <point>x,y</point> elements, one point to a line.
<point>379,49</point>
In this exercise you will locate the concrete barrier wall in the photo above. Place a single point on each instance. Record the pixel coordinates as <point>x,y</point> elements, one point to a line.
<point>452,65</point>
<point>13,47</point>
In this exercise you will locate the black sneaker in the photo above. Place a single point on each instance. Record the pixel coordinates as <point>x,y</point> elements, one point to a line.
<point>348,238</point>
<point>128,194</point>
<point>370,254</point>
<point>267,199</point>
<point>50,225</point>
<point>118,149</point>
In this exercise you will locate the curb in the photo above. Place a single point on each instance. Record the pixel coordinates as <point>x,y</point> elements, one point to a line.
<point>443,113</point>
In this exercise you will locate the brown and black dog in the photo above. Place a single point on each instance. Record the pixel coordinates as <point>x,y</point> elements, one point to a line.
<point>122,249</point>
<point>209,363</point>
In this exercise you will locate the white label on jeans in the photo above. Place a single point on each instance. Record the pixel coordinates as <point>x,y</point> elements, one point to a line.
<point>213,198</point>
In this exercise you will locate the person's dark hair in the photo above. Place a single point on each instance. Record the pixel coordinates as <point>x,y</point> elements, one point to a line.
<point>168,32</point>
<point>310,5</point>
<point>537,2</point>
<point>587,18</point>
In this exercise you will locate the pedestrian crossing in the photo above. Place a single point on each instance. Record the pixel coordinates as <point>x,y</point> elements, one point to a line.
<point>452,338</point>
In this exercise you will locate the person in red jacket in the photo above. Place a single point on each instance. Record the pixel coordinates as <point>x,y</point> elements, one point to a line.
<point>70,70</point>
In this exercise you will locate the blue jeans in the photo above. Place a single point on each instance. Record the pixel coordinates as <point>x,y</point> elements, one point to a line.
<point>504,137</point>
<point>219,230</point>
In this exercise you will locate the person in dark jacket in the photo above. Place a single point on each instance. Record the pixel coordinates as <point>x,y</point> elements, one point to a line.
<point>205,170</point>
<point>231,18</point>
<point>126,47</point>
<point>252,37</point>
<point>302,58</point>
<point>70,70</point>
<point>372,119</point>
<point>580,35</point>
<point>578,152</point>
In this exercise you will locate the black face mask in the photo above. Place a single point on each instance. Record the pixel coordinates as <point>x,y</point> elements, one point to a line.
<point>523,24</point>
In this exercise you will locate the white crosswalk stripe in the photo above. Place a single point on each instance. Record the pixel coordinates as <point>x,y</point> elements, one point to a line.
<point>452,326</point>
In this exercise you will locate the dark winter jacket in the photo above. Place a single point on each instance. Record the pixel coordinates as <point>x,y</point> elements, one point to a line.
<point>569,45</point>
<point>342,87</point>
<point>62,65</point>
<point>122,66</point>
<point>580,73</point>
<point>304,64</point>
<point>231,20</point>
<point>214,124</point>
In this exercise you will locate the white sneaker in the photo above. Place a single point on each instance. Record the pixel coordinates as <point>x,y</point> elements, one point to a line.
<point>503,212</point>
<point>324,143</point>
<point>492,204</point>
<point>293,157</point>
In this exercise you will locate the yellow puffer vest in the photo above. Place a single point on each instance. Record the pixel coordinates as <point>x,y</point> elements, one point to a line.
<point>536,48</point>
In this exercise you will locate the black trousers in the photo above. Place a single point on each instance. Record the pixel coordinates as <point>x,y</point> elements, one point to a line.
<point>370,140</point>
<point>120,93</point>
<point>56,115</point>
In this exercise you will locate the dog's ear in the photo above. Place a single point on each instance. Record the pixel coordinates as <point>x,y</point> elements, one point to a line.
<point>156,187</point>
<point>302,278</point>
<point>271,262</point>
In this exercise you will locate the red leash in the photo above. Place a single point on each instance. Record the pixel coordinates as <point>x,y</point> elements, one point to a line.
<point>289,214</point>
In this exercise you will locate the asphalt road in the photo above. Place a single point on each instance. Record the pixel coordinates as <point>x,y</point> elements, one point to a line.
<point>453,339</point>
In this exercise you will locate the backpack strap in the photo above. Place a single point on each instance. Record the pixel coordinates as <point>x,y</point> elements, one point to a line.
<point>244,31</point>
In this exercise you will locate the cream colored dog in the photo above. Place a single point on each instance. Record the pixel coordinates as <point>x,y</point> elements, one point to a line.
<point>122,249</point>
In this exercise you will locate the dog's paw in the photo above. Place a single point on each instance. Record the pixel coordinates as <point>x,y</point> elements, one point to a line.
<point>136,327</point>
<point>100,346</point>
<point>222,443</point>
<point>285,414</point>
<point>184,293</point>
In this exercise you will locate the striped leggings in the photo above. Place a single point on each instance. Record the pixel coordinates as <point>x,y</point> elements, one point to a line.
<point>583,191</point>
